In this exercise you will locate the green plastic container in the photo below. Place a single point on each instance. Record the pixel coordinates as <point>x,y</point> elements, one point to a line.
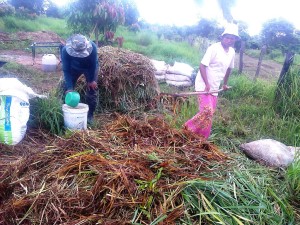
<point>72,99</point>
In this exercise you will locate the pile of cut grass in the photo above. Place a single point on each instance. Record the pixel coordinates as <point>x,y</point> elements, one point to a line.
<point>132,171</point>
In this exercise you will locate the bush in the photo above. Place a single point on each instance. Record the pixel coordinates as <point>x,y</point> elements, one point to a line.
<point>25,13</point>
<point>145,39</point>
<point>6,9</point>
<point>275,54</point>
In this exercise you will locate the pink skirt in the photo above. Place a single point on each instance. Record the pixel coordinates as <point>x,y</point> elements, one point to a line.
<point>201,123</point>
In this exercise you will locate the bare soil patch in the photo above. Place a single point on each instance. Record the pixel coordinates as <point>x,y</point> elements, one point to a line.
<point>38,36</point>
<point>46,81</point>
<point>269,70</point>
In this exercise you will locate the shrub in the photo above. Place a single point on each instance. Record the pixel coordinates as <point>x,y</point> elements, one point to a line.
<point>25,13</point>
<point>6,9</point>
<point>145,39</point>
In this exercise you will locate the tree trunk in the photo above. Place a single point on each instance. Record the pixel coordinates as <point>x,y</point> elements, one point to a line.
<point>241,64</point>
<point>262,53</point>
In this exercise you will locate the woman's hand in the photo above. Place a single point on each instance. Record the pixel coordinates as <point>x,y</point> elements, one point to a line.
<point>207,88</point>
<point>225,87</point>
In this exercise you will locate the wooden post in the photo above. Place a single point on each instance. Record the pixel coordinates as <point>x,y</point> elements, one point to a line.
<point>262,53</point>
<point>241,64</point>
<point>289,59</point>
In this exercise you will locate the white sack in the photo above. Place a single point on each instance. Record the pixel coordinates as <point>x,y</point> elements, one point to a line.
<point>13,87</point>
<point>160,66</point>
<point>181,68</point>
<point>14,110</point>
<point>177,77</point>
<point>269,152</point>
<point>179,83</point>
<point>160,72</point>
<point>160,78</point>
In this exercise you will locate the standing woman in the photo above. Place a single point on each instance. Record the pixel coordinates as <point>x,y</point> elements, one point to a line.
<point>215,67</point>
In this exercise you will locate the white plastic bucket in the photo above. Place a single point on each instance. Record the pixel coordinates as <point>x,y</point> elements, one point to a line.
<point>49,63</point>
<point>75,118</point>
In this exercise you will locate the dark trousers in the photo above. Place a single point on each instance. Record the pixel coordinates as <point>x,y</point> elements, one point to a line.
<point>91,95</point>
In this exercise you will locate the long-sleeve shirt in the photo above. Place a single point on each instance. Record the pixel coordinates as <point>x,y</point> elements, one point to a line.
<point>75,65</point>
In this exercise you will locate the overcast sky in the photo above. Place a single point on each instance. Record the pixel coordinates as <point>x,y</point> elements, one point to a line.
<point>187,12</point>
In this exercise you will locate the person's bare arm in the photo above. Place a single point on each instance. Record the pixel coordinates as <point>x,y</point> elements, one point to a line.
<point>202,69</point>
<point>228,72</point>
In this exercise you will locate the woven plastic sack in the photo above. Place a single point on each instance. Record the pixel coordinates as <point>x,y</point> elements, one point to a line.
<point>269,152</point>
<point>14,110</point>
<point>181,68</point>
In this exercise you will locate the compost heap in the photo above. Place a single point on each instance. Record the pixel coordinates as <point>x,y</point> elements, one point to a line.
<point>126,81</point>
<point>131,171</point>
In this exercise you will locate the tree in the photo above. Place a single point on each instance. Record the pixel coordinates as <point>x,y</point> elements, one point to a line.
<point>96,17</point>
<point>280,34</point>
<point>53,10</point>
<point>131,12</point>
<point>34,6</point>
<point>208,28</point>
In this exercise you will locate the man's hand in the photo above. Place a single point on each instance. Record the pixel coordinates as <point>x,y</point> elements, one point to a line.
<point>92,85</point>
<point>69,90</point>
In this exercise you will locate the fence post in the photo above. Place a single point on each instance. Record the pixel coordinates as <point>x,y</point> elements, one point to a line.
<point>288,61</point>
<point>262,53</point>
<point>241,64</point>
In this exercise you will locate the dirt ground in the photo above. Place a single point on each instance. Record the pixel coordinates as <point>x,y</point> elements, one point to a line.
<point>269,69</point>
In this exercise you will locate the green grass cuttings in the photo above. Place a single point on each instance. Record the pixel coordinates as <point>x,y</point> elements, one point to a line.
<point>240,199</point>
<point>293,180</point>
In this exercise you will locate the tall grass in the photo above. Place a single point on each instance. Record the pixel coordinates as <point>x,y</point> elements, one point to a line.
<point>288,94</point>
<point>147,43</point>
<point>293,181</point>
<point>46,114</point>
<point>13,24</point>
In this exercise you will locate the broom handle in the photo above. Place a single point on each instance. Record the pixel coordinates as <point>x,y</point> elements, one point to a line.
<point>193,93</point>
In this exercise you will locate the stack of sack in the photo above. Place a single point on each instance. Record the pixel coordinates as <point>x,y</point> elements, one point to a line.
<point>160,70</point>
<point>180,75</point>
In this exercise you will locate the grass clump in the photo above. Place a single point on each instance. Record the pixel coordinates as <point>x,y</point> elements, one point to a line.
<point>293,181</point>
<point>46,114</point>
<point>288,95</point>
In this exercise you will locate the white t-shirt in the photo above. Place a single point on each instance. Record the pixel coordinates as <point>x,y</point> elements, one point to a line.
<point>217,61</point>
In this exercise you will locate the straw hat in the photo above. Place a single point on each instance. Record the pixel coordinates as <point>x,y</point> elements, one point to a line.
<point>78,46</point>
